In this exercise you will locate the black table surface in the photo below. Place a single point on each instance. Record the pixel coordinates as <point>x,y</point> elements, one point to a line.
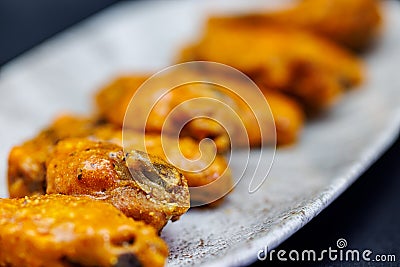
<point>366,215</point>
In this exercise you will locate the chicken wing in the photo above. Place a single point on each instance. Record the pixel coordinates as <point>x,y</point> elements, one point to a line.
<point>201,168</point>
<point>208,175</point>
<point>63,231</point>
<point>27,162</point>
<point>113,100</point>
<point>295,62</point>
<point>353,24</point>
<point>35,153</point>
<point>142,186</point>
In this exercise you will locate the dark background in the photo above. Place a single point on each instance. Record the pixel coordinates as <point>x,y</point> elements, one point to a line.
<point>366,215</point>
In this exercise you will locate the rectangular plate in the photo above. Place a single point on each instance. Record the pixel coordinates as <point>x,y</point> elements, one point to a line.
<point>62,74</point>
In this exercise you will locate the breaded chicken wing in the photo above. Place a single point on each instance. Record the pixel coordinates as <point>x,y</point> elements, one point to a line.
<point>142,186</point>
<point>295,62</point>
<point>63,231</point>
<point>200,168</point>
<point>208,175</point>
<point>35,153</point>
<point>113,100</point>
<point>352,23</point>
<point>27,162</point>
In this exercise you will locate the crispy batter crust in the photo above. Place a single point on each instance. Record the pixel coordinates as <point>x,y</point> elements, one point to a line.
<point>32,155</point>
<point>113,101</point>
<point>295,62</point>
<point>350,23</point>
<point>27,162</point>
<point>57,230</point>
<point>143,187</point>
<point>200,168</point>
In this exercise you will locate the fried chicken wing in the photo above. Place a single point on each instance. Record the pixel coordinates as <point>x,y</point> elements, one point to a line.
<point>142,186</point>
<point>27,162</point>
<point>295,62</point>
<point>209,178</point>
<point>200,168</point>
<point>352,23</point>
<point>62,231</point>
<point>34,155</point>
<point>113,100</point>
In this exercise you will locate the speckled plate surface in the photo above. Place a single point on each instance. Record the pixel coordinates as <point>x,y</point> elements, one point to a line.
<point>62,74</point>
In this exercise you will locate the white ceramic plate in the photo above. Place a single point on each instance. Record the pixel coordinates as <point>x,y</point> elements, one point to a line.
<point>62,74</point>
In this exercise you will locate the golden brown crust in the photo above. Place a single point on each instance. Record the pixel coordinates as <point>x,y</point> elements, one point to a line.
<point>119,91</point>
<point>218,170</point>
<point>113,100</point>
<point>184,155</point>
<point>27,168</point>
<point>112,104</point>
<point>216,176</point>
<point>27,162</point>
<point>288,116</point>
<point>143,187</point>
<point>353,24</point>
<point>295,62</point>
<point>57,230</point>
